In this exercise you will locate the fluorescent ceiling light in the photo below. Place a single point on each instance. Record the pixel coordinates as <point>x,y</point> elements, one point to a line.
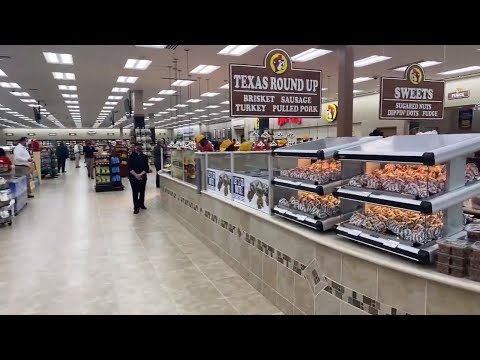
<point>204,69</point>
<point>15,93</point>
<point>370,60</point>
<point>212,107</point>
<point>182,82</point>
<point>73,106</point>
<point>194,101</point>
<point>210,94</point>
<point>71,101</point>
<point>225,111</point>
<point>171,109</point>
<point>310,54</point>
<point>163,112</point>
<point>180,116</point>
<point>226,86</point>
<point>167,92</point>
<point>137,64</point>
<point>12,112</point>
<point>204,116</point>
<point>2,73</point>
<point>109,107</point>
<point>361,79</point>
<point>70,96</point>
<point>18,115</point>
<point>189,113</point>
<point>120,90</point>
<point>459,71</point>
<point>226,102</point>
<point>31,105</point>
<point>156,99</point>
<point>181,105</point>
<point>214,114</point>
<point>28,100</point>
<point>200,110</point>
<point>111,102</point>
<point>127,79</point>
<point>54,58</point>
<point>115,97</point>
<point>67,87</point>
<point>236,50</point>
<point>9,85</point>
<point>63,76</point>
<point>357,91</point>
<point>153,46</point>
<point>423,64</point>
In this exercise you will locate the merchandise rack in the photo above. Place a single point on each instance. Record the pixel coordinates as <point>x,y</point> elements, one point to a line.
<point>115,181</point>
<point>323,149</point>
<point>450,150</point>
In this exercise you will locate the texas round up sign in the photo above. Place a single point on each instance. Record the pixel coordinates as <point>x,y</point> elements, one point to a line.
<point>275,89</point>
<point>411,98</point>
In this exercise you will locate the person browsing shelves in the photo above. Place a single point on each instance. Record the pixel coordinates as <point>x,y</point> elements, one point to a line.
<point>138,169</point>
<point>22,163</point>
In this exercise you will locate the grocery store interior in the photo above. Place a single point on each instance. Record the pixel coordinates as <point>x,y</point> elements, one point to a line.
<point>279,179</point>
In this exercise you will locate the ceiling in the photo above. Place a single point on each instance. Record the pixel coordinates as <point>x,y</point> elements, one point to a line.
<point>97,67</point>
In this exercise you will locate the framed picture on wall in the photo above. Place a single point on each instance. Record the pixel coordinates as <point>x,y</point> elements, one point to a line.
<point>465,117</point>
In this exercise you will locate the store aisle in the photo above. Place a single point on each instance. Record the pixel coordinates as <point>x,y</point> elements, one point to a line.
<point>74,251</point>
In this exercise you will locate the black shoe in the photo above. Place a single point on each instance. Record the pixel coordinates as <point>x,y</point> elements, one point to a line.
<point>143,207</point>
<point>30,196</point>
<point>136,211</point>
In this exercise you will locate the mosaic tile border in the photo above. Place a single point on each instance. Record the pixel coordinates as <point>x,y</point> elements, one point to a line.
<point>311,273</point>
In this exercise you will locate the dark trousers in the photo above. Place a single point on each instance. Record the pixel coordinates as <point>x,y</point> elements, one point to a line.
<point>61,164</point>
<point>158,167</point>
<point>138,192</point>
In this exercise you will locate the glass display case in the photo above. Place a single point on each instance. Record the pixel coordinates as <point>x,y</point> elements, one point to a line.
<point>411,189</point>
<point>304,177</point>
<point>183,165</point>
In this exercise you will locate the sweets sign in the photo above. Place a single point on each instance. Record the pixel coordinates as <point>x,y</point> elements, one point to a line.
<point>275,89</point>
<point>411,98</point>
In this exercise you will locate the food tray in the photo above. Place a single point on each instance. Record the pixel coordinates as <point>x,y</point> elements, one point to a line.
<point>475,254</point>
<point>460,248</point>
<point>473,232</point>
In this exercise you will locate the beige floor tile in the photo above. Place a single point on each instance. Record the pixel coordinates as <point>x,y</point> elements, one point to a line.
<point>215,307</point>
<point>253,304</point>
<point>217,271</point>
<point>234,286</point>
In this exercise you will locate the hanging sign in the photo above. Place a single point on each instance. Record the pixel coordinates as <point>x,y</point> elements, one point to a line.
<point>411,98</point>
<point>331,113</point>
<point>458,94</point>
<point>275,89</point>
<point>293,120</point>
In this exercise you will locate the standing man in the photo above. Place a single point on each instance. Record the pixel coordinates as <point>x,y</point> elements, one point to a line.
<point>62,155</point>
<point>22,163</point>
<point>138,169</point>
<point>158,151</point>
<point>76,152</point>
<point>88,151</point>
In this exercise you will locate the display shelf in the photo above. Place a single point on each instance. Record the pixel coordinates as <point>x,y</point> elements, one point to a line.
<point>424,254</point>
<point>306,186</point>
<point>421,149</point>
<point>439,185</point>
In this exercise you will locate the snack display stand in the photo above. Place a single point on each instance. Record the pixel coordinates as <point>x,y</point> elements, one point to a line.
<point>420,183</point>
<point>107,172</point>
<point>304,177</point>
<point>6,203</point>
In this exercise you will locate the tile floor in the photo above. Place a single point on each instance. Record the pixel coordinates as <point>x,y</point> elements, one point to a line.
<point>75,251</point>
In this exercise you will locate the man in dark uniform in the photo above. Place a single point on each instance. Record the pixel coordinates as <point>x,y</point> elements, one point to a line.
<point>138,169</point>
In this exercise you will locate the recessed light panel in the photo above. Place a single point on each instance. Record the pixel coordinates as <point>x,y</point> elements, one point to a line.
<point>236,50</point>
<point>204,69</point>
<point>63,76</point>
<point>137,64</point>
<point>56,58</point>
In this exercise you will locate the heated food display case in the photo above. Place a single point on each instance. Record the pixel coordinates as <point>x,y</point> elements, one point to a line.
<point>411,189</point>
<point>304,178</point>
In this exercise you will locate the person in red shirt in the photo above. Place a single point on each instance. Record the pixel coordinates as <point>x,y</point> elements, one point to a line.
<point>203,144</point>
<point>5,162</point>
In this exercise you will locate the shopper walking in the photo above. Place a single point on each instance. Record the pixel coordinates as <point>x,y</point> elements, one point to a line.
<point>159,156</point>
<point>76,153</point>
<point>89,151</point>
<point>138,169</point>
<point>62,155</point>
<point>22,160</point>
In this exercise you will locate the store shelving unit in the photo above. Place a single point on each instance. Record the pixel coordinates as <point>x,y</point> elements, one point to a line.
<point>122,151</point>
<point>447,151</point>
<point>287,186</point>
<point>107,173</point>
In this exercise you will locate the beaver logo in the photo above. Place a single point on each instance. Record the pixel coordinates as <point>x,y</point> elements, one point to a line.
<point>415,74</point>
<point>278,63</point>
<point>331,113</point>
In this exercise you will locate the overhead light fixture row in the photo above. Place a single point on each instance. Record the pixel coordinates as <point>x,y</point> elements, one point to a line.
<point>460,71</point>
<point>370,60</point>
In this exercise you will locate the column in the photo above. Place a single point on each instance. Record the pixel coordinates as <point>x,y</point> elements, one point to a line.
<point>345,91</point>
<point>121,132</point>
<point>137,102</point>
